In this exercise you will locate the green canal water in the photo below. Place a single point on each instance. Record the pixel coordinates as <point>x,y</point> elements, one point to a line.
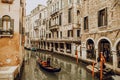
<point>69,69</point>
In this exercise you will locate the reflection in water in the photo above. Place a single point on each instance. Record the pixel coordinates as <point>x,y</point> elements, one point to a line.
<point>70,70</point>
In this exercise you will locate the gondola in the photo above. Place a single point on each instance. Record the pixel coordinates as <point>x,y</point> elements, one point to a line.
<point>107,72</point>
<point>46,67</point>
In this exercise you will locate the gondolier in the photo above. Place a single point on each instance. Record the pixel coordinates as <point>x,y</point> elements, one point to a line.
<point>48,61</point>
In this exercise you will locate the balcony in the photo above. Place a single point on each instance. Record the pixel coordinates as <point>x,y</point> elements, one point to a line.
<point>54,27</point>
<point>54,12</point>
<point>65,39</point>
<point>7,1</point>
<point>70,5</point>
<point>36,28</point>
<point>6,33</point>
<point>42,38</point>
<point>71,39</point>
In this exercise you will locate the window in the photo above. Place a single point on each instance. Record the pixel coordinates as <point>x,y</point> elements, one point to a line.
<point>6,25</point>
<point>70,33</point>
<point>53,34</point>
<point>78,17</point>
<point>69,1</point>
<point>7,1</point>
<point>57,34</point>
<point>69,16</point>
<point>60,34</point>
<point>57,5</point>
<point>6,22</point>
<point>40,16</point>
<point>78,1</point>
<point>60,4</point>
<point>78,33</point>
<point>49,35</point>
<point>46,35</point>
<point>44,21</point>
<point>49,23</point>
<point>102,17</point>
<point>85,23</point>
<point>60,19</point>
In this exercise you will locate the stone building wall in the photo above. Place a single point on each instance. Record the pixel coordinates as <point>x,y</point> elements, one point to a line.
<point>109,32</point>
<point>10,47</point>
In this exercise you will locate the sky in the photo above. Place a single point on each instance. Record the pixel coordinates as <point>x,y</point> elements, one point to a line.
<point>31,4</point>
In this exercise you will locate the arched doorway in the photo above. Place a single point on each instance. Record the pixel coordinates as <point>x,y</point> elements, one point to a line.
<point>90,49</point>
<point>105,47</point>
<point>118,54</point>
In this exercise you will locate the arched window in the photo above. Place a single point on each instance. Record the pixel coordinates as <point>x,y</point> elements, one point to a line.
<point>6,22</point>
<point>40,16</point>
<point>6,25</point>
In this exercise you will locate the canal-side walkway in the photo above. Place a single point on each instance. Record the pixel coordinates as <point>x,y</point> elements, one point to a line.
<point>8,73</point>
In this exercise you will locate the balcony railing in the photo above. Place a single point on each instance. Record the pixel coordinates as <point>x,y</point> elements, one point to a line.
<point>55,26</point>
<point>6,33</point>
<point>55,11</point>
<point>36,28</point>
<point>67,39</point>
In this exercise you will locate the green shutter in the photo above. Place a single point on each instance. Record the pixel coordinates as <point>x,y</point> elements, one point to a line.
<point>1,24</point>
<point>98,18</point>
<point>12,24</point>
<point>106,16</point>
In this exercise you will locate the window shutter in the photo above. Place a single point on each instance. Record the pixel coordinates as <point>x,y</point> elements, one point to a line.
<point>71,33</point>
<point>105,16</point>
<point>1,24</point>
<point>12,24</point>
<point>84,24</point>
<point>98,19</point>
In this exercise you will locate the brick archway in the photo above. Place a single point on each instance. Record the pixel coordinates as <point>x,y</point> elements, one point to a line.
<point>118,53</point>
<point>104,45</point>
<point>90,49</point>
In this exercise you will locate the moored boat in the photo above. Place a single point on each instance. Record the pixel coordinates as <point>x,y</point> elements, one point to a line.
<point>46,67</point>
<point>107,72</point>
<point>27,48</point>
<point>33,49</point>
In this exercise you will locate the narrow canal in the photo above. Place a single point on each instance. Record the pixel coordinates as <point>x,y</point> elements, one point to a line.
<point>70,70</point>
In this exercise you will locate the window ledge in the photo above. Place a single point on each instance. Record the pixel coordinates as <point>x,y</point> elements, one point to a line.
<point>6,36</point>
<point>86,30</point>
<point>102,27</point>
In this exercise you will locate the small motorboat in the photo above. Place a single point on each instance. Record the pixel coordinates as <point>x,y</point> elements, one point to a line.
<point>46,67</point>
<point>107,72</point>
<point>33,49</point>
